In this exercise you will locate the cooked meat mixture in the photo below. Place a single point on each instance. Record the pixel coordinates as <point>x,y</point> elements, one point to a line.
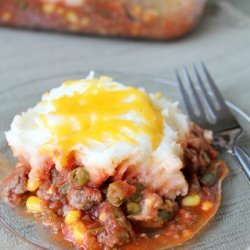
<point>120,212</point>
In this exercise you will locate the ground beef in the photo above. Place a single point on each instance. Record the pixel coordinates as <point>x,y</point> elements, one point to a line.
<point>198,151</point>
<point>118,230</point>
<point>43,193</point>
<point>14,185</point>
<point>85,198</point>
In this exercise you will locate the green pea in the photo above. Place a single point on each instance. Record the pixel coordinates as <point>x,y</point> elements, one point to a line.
<point>137,195</point>
<point>133,208</point>
<point>164,215</point>
<point>115,194</point>
<point>211,175</point>
<point>208,179</point>
<point>79,176</point>
<point>123,236</point>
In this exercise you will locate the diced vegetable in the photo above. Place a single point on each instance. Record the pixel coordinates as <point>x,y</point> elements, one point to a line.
<point>79,177</point>
<point>72,216</point>
<point>133,208</point>
<point>208,179</point>
<point>33,185</point>
<point>33,204</point>
<point>191,200</point>
<point>118,192</point>
<point>211,175</point>
<point>137,195</point>
<point>164,215</point>
<point>167,211</point>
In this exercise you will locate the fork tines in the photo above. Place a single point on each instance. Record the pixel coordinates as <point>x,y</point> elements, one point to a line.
<point>203,101</point>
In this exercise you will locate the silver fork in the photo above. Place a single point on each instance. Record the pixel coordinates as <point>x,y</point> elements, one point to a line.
<point>206,107</point>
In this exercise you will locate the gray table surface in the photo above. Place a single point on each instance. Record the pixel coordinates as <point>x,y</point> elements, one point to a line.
<point>222,41</point>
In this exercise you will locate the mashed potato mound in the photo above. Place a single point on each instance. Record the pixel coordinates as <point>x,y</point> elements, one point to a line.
<point>112,129</point>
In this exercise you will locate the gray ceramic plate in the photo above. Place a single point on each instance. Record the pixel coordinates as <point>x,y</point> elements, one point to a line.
<point>229,228</point>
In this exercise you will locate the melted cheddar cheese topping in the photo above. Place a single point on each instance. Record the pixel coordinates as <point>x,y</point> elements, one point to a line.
<point>103,114</point>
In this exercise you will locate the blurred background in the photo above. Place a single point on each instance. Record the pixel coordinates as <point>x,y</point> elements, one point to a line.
<point>221,39</point>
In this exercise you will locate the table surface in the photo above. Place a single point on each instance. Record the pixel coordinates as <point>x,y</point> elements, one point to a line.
<point>222,41</point>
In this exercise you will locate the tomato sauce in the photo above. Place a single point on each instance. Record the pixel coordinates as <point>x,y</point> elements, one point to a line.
<point>112,215</point>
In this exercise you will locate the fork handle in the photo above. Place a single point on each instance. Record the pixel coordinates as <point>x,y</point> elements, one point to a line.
<point>243,159</point>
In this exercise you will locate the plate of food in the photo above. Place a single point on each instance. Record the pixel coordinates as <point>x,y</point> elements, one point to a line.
<point>111,162</point>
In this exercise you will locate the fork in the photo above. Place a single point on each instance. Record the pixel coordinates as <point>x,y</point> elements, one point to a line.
<point>206,107</point>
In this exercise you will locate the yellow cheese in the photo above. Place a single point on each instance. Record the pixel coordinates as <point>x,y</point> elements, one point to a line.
<point>98,114</point>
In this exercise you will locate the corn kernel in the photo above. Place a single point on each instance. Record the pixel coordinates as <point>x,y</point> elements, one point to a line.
<point>33,204</point>
<point>48,8</point>
<point>72,17</point>
<point>79,231</point>
<point>33,185</point>
<point>72,217</point>
<point>191,200</point>
<point>206,205</point>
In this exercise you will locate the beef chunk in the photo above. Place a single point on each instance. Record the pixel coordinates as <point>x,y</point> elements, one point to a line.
<point>199,151</point>
<point>118,230</point>
<point>14,185</point>
<point>85,198</point>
